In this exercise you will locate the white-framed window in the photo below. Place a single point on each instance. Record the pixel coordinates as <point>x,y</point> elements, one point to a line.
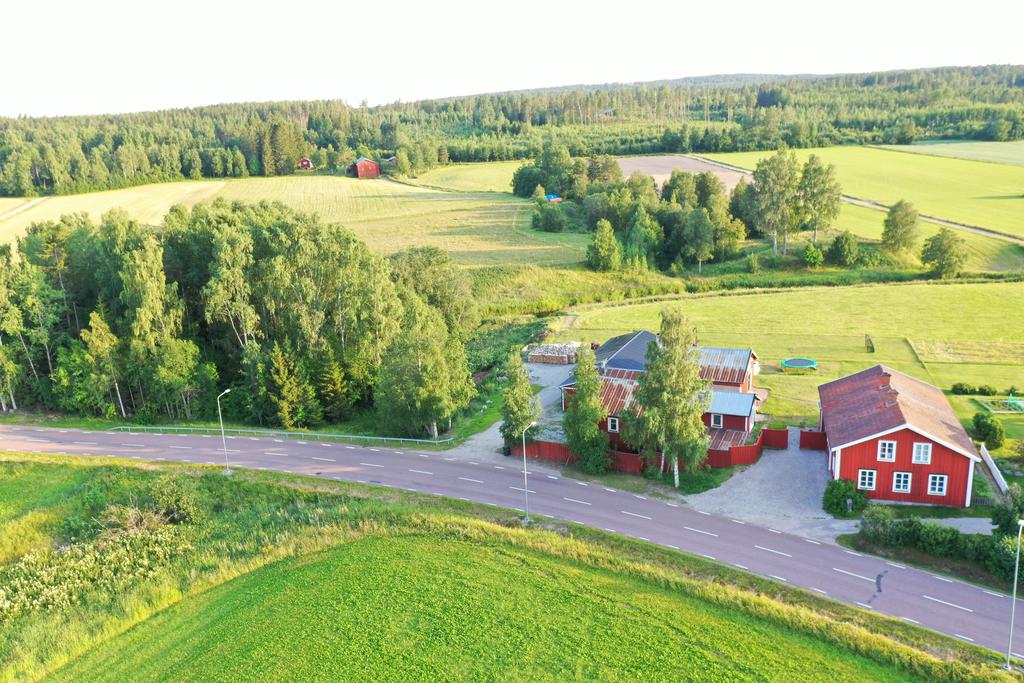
<point>887,451</point>
<point>716,420</point>
<point>922,453</point>
<point>937,484</point>
<point>901,482</point>
<point>866,480</point>
<point>613,424</point>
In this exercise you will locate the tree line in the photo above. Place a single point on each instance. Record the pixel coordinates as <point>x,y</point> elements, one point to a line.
<point>83,153</point>
<point>298,316</point>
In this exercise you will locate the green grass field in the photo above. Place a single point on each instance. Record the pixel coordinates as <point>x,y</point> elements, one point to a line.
<point>286,577</point>
<point>425,607</point>
<point>983,253</point>
<point>995,152</point>
<point>482,228</point>
<point>493,176</point>
<point>970,192</point>
<point>940,333</point>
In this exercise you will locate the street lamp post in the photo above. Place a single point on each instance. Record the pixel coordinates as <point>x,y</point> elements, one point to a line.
<point>223,439</point>
<point>526,486</point>
<point>1013,605</point>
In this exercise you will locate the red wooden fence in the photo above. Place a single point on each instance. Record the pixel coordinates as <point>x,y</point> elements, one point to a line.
<point>632,463</point>
<point>813,439</point>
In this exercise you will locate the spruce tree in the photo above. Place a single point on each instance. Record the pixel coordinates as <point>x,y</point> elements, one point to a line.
<point>605,252</point>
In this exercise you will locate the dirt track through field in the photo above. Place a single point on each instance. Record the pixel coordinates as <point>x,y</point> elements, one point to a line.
<point>661,167</point>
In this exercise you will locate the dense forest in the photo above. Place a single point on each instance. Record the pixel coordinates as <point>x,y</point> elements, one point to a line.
<point>82,153</point>
<point>298,316</point>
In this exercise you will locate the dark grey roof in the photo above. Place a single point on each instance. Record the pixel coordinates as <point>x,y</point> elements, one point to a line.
<point>625,352</point>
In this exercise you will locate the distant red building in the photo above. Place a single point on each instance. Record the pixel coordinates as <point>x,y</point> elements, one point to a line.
<point>897,438</point>
<point>365,168</point>
<point>305,164</point>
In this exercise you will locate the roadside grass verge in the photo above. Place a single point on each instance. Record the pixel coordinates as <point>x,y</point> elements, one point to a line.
<point>395,549</point>
<point>967,570</point>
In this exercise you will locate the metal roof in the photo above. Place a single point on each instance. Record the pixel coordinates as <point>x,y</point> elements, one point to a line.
<point>880,399</point>
<point>717,364</point>
<point>732,403</point>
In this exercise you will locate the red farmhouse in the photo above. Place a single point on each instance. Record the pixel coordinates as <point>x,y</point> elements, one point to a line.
<point>896,438</point>
<point>622,359</point>
<point>365,168</point>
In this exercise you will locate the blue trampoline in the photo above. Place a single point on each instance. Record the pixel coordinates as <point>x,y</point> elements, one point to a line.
<point>799,364</point>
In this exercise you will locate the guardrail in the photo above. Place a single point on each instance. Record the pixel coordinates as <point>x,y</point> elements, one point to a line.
<point>303,436</point>
<point>996,474</point>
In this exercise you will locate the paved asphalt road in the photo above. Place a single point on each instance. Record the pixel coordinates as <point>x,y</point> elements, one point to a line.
<point>951,607</point>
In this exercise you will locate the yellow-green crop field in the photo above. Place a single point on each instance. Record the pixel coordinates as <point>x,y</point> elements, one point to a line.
<point>996,152</point>
<point>478,228</point>
<point>970,192</point>
<point>940,333</point>
<point>493,176</point>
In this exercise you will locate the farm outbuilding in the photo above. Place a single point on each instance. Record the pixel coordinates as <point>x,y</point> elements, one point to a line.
<point>897,439</point>
<point>365,168</point>
<point>555,354</point>
<point>305,164</point>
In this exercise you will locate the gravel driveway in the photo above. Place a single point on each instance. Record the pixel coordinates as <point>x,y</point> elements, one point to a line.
<point>782,491</point>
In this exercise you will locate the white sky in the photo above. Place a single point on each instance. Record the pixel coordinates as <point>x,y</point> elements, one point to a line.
<point>109,56</point>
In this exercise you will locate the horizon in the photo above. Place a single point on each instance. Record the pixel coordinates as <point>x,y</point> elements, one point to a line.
<point>127,64</point>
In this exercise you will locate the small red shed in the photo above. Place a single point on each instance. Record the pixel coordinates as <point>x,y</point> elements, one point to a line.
<point>365,168</point>
<point>897,438</point>
<point>305,164</point>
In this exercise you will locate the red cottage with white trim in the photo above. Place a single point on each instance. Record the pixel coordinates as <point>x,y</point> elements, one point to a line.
<point>897,438</point>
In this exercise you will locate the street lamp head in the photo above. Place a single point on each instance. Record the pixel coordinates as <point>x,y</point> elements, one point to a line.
<point>1020,522</point>
<point>226,391</point>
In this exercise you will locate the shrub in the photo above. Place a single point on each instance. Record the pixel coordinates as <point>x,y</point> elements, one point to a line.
<point>989,429</point>
<point>836,494</point>
<point>812,256</point>
<point>175,498</point>
<point>875,524</point>
<point>753,264</point>
<point>939,540</point>
<point>964,389</point>
<point>549,218</point>
<point>844,249</point>
<point>987,390</point>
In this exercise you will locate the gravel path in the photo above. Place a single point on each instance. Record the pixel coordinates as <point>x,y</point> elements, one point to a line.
<point>782,491</point>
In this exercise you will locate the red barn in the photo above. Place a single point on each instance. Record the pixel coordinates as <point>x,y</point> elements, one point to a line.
<point>305,164</point>
<point>365,168</point>
<point>897,438</point>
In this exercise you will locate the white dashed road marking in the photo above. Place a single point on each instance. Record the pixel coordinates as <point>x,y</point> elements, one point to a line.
<point>421,472</point>
<point>856,576</point>
<point>516,488</point>
<point>324,459</point>
<point>699,531</point>
<point>948,604</point>
<point>777,552</point>
<point>633,514</point>
<point>475,481</point>
<point>370,464</point>
<point>573,500</point>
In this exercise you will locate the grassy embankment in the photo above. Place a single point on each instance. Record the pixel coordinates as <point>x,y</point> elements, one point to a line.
<point>279,575</point>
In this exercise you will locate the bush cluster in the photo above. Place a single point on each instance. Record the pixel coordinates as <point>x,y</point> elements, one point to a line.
<point>996,553</point>
<point>989,429</point>
<point>965,389</point>
<point>836,494</point>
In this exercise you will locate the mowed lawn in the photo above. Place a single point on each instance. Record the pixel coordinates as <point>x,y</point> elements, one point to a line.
<point>970,192</point>
<point>940,333</point>
<point>491,176</point>
<point>433,608</point>
<point>482,228</point>
<point>983,253</point>
<point>997,152</point>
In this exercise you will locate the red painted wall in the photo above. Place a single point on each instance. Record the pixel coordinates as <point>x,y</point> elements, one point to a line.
<point>741,424</point>
<point>775,438</point>
<point>813,439</point>
<point>367,169</point>
<point>944,461</point>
